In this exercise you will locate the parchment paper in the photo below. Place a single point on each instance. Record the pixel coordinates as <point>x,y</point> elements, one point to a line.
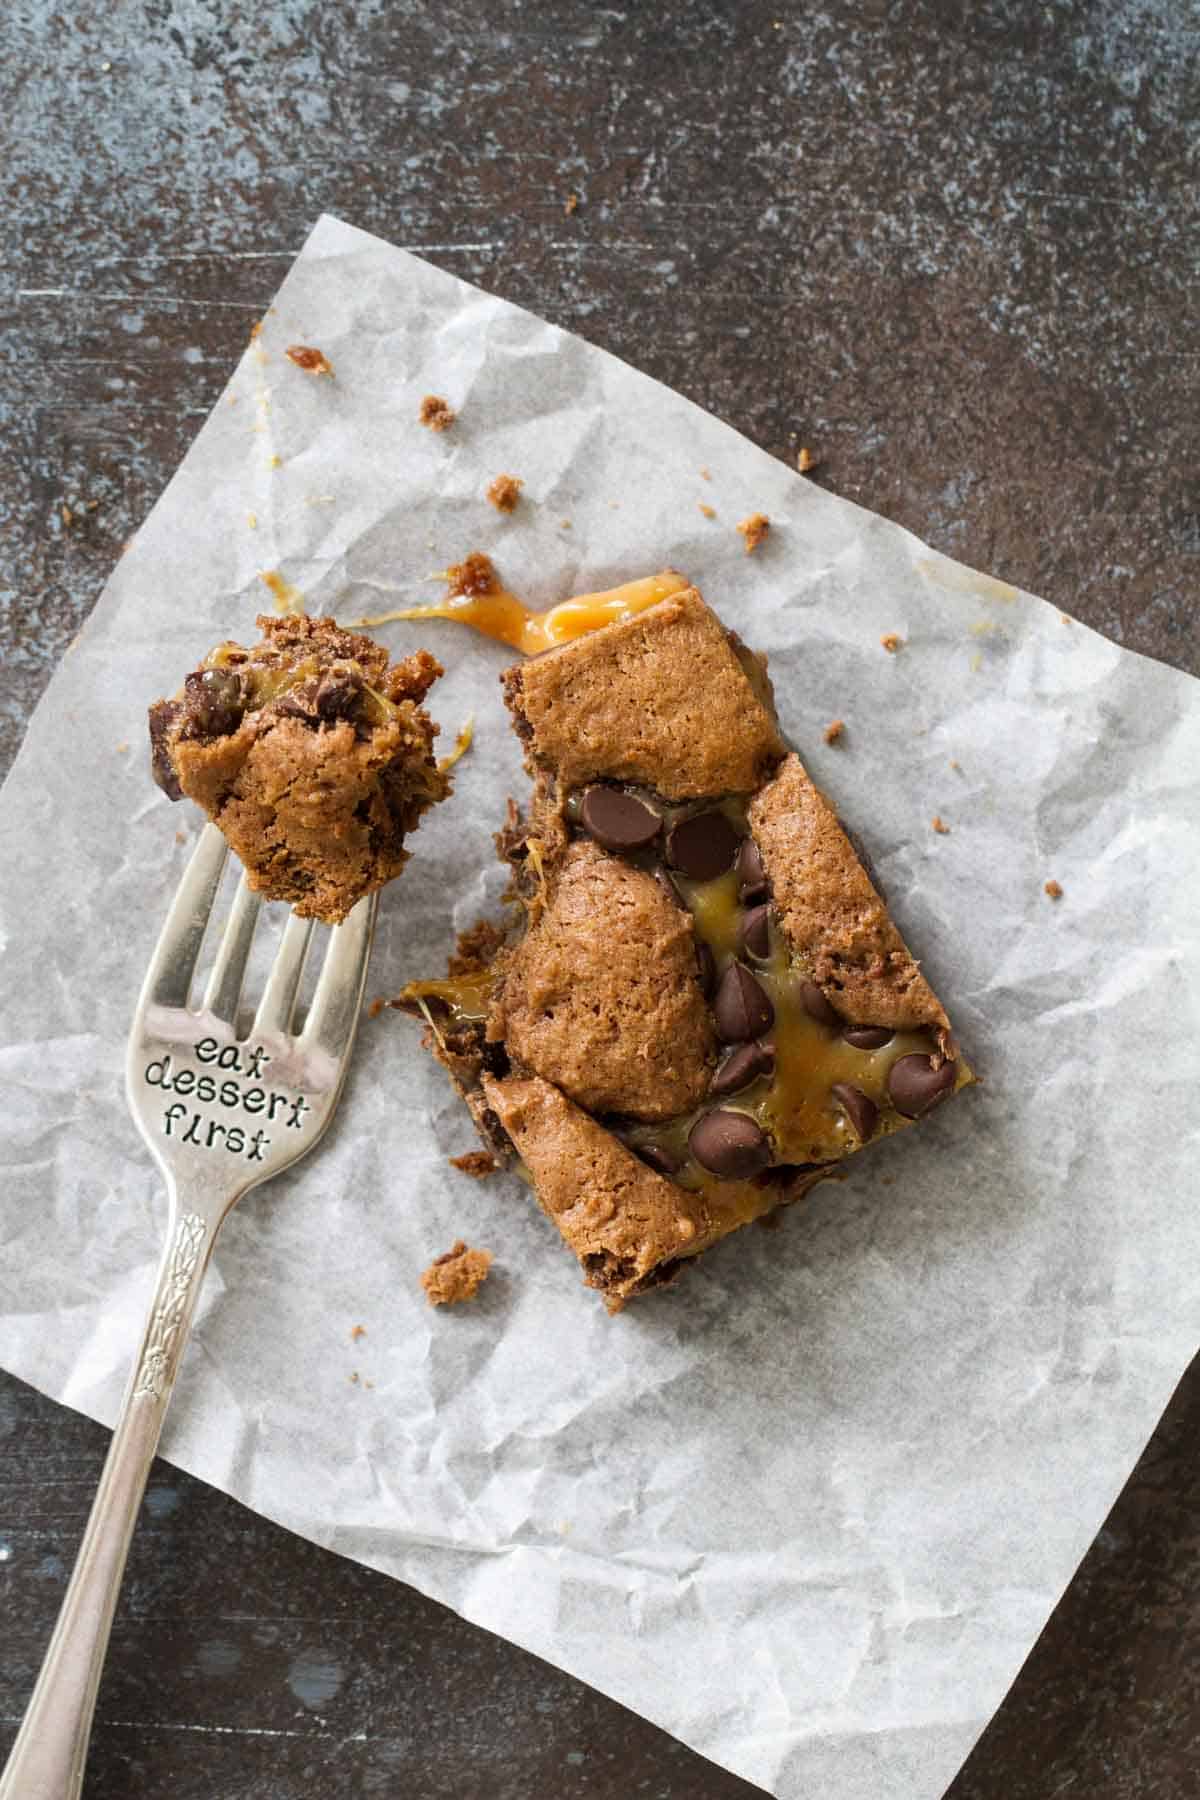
<point>810,1510</point>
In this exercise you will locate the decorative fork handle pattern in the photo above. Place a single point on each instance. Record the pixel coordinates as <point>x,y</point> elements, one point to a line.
<point>47,1760</point>
<point>160,1353</point>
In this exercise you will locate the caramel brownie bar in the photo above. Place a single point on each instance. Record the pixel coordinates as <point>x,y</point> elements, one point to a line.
<point>705,1006</point>
<point>311,753</point>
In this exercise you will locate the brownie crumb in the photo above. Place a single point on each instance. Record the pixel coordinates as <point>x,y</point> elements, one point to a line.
<point>706,474</point>
<point>313,362</point>
<point>571,204</point>
<point>1054,889</point>
<point>437,413</point>
<point>473,576</point>
<point>457,1275</point>
<point>754,530</point>
<point>710,512</point>
<point>357,1332</point>
<point>939,825</point>
<point>892,641</point>
<point>955,764</point>
<point>504,492</point>
<point>478,1164</point>
<point>835,730</point>
<point>476,949</point>
<point>376,1007</point>
<point>805,461</point>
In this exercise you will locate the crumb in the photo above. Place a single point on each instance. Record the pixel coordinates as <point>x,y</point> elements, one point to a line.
<point>710,512</point>
<point>706,474</point>
<point>834,730</point>
<point>456,1275</point>
<point>571,204</point>
<point>313,362</point>
<point>354,1376</point>
<point>754,530</point>
<point>437,413</point>
<point>256,329</point>
<point>252,521</point>
<point>276,462</point>
<point>376,1007</point>
<point>565,524</point>
<point>939,825</point>
<point>892,641</point>
<point>1054,889</point>
<point>504,492</point>
<point>122,748</point>
<point>181,837</point>
<point>1066,618</point>
<point>474,575</point>
<point>478,1164</point>
<point>805,460</point>
<point>357,1331</point>
<point>476,948</point>
<point>954,763</point>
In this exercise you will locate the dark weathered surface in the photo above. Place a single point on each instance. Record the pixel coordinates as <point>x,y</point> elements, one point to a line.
<point>949,248</point>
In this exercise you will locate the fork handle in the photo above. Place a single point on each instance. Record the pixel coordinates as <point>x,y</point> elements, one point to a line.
<point>48,1757</point>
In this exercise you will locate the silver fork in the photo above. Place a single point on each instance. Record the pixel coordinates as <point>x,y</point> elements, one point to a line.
<point>220,1113</point>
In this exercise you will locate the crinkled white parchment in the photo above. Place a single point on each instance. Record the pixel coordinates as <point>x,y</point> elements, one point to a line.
<point>809,1510</point>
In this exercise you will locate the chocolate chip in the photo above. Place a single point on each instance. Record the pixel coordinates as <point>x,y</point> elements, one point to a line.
<point>213,702</point>
<point>915,1085</point>
<point>741,1008</point>
<point>862,1113</point>
<point>756,935</point>
<point>867,1037</point>
<point>658,1158</point>
<point>337,694</point>
<point>729,1144</point>
<point>742,1066</point>
<point>816,1005</point>
<point>708,968</point>
<point>752,877</point>
<point>703,846</point>
<point>163,715</point>
<point>618,821</point>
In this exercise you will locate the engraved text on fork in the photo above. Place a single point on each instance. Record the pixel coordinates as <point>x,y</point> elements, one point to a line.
<point>232,1081</point>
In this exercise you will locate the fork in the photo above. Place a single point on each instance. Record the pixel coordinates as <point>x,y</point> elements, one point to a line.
<point>220,1113</point>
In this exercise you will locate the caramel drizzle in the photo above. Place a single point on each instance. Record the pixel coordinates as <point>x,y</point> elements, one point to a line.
<point>478,598</point>
<point>462,744</point>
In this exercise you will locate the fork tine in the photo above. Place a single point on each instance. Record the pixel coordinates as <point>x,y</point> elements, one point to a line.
<point>333,1016</point>
<point>224,988</point>
<point>275,1008</point>
<point>169,977</point>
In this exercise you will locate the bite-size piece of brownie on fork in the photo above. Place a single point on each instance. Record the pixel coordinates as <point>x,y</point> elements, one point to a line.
<point>705,1006</point>
<point>311,752</point>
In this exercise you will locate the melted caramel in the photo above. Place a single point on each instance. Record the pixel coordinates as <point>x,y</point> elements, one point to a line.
<point>464,999</point>
<point>288,599</point>
<point>263,682</point>
<point>794,1105</point>
<point>462,744</point>
<point>478,598</point>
